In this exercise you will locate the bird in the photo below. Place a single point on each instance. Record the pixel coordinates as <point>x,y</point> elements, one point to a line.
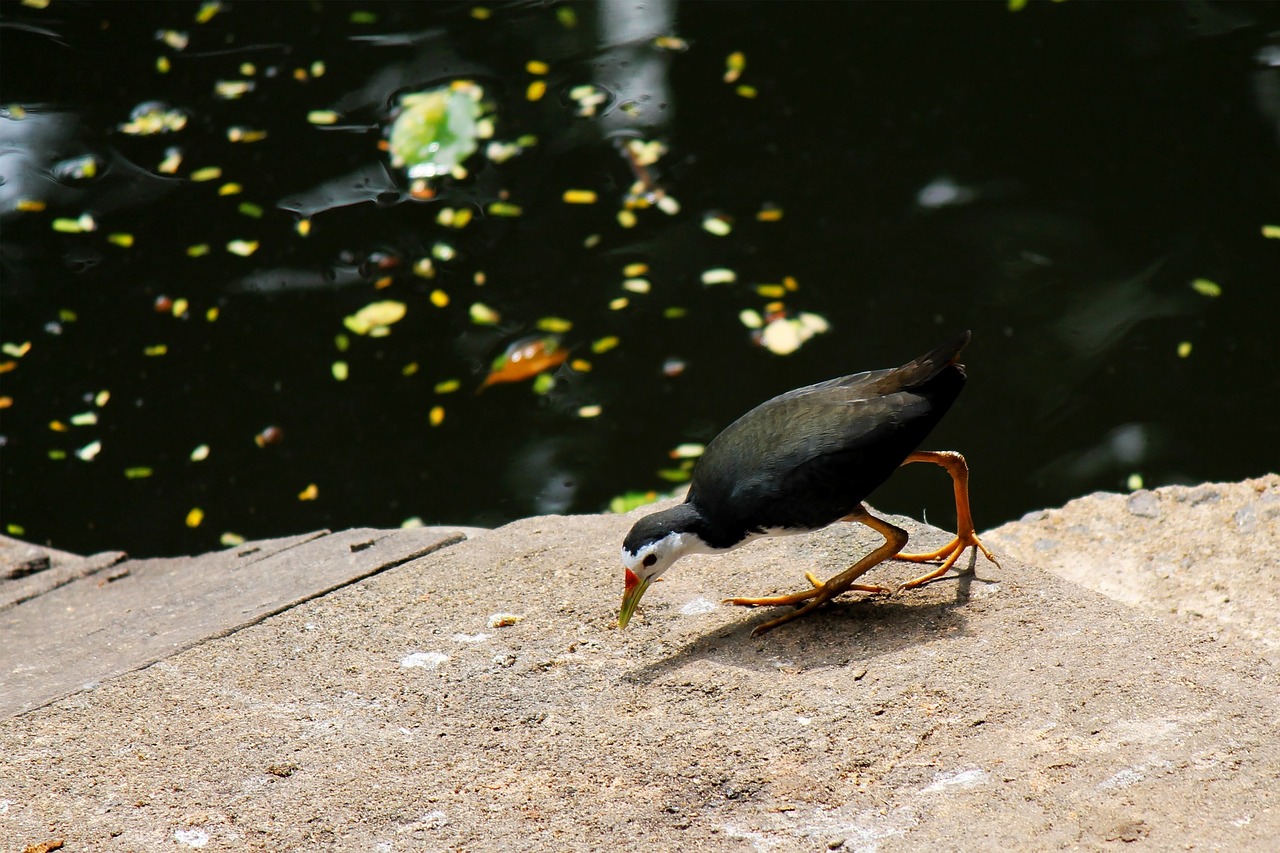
<point>804,460</point>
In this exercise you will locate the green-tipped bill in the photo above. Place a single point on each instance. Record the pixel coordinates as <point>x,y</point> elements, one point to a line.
<point>631,597</point>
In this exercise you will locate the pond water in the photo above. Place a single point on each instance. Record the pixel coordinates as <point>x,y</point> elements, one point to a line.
<point>200,205</point>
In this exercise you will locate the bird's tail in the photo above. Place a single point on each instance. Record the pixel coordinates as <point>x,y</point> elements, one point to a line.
<point>920,370</point>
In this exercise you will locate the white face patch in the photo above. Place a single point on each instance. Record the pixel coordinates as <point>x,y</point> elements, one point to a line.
<point>665,551</point>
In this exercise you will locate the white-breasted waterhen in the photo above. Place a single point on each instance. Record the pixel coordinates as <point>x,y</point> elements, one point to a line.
<point>807,459</point>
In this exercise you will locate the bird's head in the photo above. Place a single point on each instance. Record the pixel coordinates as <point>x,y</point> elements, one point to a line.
<point>654,543</point>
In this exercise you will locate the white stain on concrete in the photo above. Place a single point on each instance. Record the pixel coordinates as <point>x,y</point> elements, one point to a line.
<point>698,606</point>
<point>193,837</point>
<point>469,638</point>
<point>426,660</point>
<point>956,779</point>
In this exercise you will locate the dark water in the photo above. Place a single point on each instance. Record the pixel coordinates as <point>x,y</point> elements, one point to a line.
<point>1054,178</point>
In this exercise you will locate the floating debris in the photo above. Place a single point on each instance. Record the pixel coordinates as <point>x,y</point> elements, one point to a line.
<point>89,451</point>
<point>310,493</point>
<point>556,325</point>
<point>719,275</point>
<point>230,90</point>
<point>588,98</point>
<point>483,315</point>
<point>592,411</point>
<point>322,118</point>
<point>436,415</point>
<point>1184,349</point>
<point>718,224</point>
<point>580,196</point>
<point>340,370</point>
<point>375,318</point>
<point>604,344</point>
<point>269,435</point>
<point>687,451</point>
<point>154,117</point>
<point>734,65</point>
<point>201,453</point>
<point>435,131</point>
<point>1205,287</point>
<point>783,335</point>
<point>525,358</point>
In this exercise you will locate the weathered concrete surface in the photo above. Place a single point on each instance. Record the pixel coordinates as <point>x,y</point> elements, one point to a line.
<point>28,571</point>
<point>1208,554</point>
<point>1015,712</point>
<point>98,626</point>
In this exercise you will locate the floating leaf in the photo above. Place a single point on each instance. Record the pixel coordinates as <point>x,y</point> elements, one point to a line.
<point>734,65</point>
<point>483,315</point>
<point>376,315</point>
<point>543,383</point>
<point>310,493</point>
<point>717,224</point>
<point>558,325</point>
<point>435,131</point>
<point>525,358</point>
<point>194,517</point>
<point>1205,287</point>
<point>605,344</point>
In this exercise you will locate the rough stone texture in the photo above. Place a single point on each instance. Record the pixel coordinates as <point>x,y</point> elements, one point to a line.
<point>28,571</point>
<point>1208,554</point>
<point>101,625</point>
<point>1017,711</point>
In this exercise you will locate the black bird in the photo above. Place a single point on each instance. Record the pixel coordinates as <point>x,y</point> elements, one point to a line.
<point>804,460</point>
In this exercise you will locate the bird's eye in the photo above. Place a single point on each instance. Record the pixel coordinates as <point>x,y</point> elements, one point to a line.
<point>650,560</point>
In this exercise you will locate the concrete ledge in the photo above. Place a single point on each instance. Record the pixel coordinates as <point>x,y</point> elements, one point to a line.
<point>402,712</point>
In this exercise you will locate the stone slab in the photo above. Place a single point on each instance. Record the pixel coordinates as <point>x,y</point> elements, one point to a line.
<point>99,626</point>
<point>1015,711</point>
<point>1208,555</point>
<point>28,570</point>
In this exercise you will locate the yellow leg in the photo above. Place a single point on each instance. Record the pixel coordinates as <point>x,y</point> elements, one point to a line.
<point>895,539</point>
<point>966,535</point>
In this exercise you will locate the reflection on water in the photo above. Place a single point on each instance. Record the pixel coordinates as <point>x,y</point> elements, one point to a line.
<point>212,233</point>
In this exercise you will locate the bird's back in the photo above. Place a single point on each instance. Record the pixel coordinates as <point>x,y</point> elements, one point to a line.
<point>813,454</point>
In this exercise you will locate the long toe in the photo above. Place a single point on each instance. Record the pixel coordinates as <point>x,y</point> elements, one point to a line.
<point>949,555</point>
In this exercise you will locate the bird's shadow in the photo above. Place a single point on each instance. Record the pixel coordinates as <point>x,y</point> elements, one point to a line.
<point>841,633</point>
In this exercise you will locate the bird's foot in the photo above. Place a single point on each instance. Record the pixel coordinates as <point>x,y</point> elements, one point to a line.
<point>800,597</point>
<point>949,554</point>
